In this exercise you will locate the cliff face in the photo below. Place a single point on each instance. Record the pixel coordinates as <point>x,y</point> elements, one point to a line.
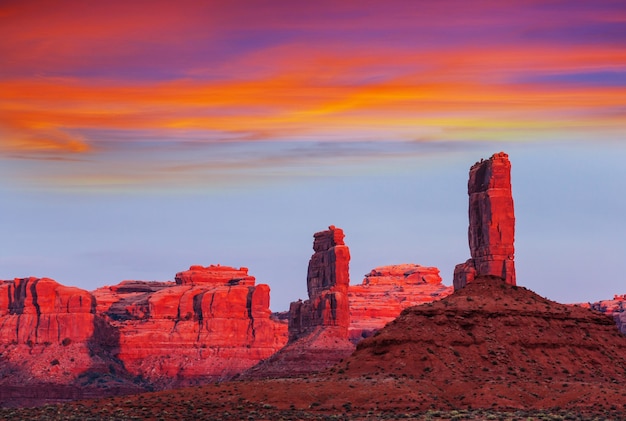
<point>327,285</point>
<point>212,323</point>
<point>38,311</point>
<point>490,346</point>
<point>214,275</point>
<point>52,335</point>
<point>388,290</point>
<point>491,229</point>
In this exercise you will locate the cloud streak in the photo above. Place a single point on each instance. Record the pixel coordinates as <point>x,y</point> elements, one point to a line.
<point>214,72</point>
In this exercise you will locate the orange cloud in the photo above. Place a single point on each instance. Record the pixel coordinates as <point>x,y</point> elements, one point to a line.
<point>81,81</point>
<point>325,92</point>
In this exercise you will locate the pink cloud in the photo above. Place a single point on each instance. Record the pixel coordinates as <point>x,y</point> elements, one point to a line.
<point>266,71</point>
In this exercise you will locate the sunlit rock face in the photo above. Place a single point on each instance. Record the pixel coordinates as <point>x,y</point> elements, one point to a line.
<point>318,327</point>
<point>388,290</point>
<point>615,308</point>
<point>41,311</point>
<point>214,274</point>
<point>327,285</point>
<point>491,222</point>
<point>51,333</point>
<point>211,324</point>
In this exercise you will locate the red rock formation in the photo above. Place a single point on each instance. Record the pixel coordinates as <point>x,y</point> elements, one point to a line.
<point>488,347</point>
<point>616,308</point>
<point>38,311</point>
<point>388,290</point>
<point>318,327</point>
<point>51,334</point>
<point>214,274</point>
<point>215,318</point>
<point>491,222</point>
<point>212,324</point>
<point>124,300</point>
<point>327,284</point>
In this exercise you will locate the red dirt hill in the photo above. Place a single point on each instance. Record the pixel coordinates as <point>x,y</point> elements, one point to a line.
<point>492,343</point>
<point>489,345</point>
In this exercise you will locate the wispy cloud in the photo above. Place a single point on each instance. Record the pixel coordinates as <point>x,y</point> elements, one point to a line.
<point>52,114</point>
<point>85,78</point>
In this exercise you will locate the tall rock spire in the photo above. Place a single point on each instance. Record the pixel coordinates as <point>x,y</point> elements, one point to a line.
<point>491,222</point>
<point>327,284</point>
<point>318,327</point>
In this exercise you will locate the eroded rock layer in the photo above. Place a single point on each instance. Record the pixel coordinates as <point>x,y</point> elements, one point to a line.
<point>39,311</point>
<point>212,323</point>
<point>615,308</point>
<point>491,229</point>
<point>52,335</point>
<point>214,274</point>
<point>489,346</point>
<point>388,290</point>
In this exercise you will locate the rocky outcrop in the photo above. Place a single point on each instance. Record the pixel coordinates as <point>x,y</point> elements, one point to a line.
<point>318,327</point>
<point>327,285</point>
<point>52,335</point>
<point>388,290</point>
<point>215,318</point>
<point>216,275</point>
<point>489,351</point>
<point>210,324</point>
<point>491,222</point>
<point>38,311</point>
<point>615,308</point>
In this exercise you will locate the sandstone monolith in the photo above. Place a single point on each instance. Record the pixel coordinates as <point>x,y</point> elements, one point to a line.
<point>491,229</point>
<point>327,285</point>
<point>318,327</point>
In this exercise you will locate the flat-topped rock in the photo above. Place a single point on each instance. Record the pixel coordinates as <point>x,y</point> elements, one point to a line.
<point>40,310</point>
<point>215,318</point>
<point>214,274</point>
<point>388,290</point>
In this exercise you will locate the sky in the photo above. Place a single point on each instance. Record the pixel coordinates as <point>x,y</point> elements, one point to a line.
<point>138,138</point>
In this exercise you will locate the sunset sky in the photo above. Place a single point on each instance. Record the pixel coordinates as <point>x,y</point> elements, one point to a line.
<point>140,137</point>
